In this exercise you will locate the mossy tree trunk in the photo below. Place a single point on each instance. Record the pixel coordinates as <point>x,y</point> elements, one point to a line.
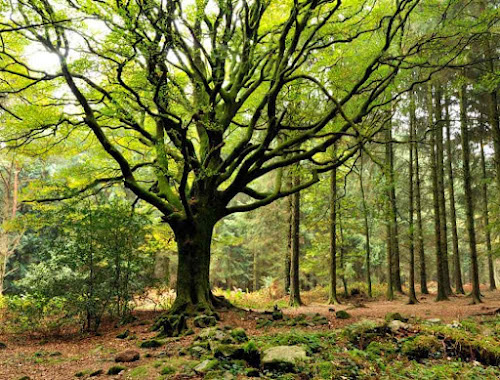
<point>389,218</point>
<point>367,230</point>
<point>469,206</point>
<point>486,220</point>
<point>457,272</point>
<point>441,293</point>
<point>333,299</point>
<point>295,252</point>
<point>412,298</point>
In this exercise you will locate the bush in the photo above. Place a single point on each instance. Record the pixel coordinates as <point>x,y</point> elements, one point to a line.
<point>98,261</point>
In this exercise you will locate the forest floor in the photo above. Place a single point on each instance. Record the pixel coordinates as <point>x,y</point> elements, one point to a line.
<point>450,339</point>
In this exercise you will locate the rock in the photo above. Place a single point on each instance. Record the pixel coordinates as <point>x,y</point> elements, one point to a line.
<point>152,343</point>
<point>247,352</point>
<point>3,346</point>
<point>239,335</point>
<point>127,356</point>
<point>205,321</point>
<point>96,373</point>
<point>123,335</point>
<point>434,320</point>
<point>115,370</point>
<point>396,325</point>
<point>283,358</point>
<point>342,314</point>
<point>252,372</point>
<point>206,365</point>
<point>170,325</point>
<point>197,351</point>
<point>395,317</point>
<point>214,334</point>
<point>421,347</point>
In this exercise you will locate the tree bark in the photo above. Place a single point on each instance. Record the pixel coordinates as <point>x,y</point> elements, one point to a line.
<point>442,293</point>
<point>412,297</point>
<point>333,299</point>
<point>255,271</point>
<point>420,229</point>
<point>289,236</point>
<point>486,221</point>
<point>469,207</point>
<point>442,199</point>
<point>367,231</point>
<point>389,218</point>
<point>457,272</point>
<point>295,253</point>
<point>342,250</point>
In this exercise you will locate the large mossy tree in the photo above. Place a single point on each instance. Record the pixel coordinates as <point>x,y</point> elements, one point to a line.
<point>191,100</point>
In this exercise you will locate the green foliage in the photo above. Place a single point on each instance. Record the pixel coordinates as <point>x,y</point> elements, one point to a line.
<point>96,264</point>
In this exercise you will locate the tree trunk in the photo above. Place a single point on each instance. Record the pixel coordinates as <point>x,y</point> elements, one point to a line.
<point>367,230</point>
<point>332,299</point>
<point>255,271</point>
<point>193,288</point>
<point>486,219</point>
<point>389,219</point>
<point>396,271</point>
<point>420,229</point>
<point>457,272</point>
<point>442,293</point>
<point>342,250</point>
<point>294,272</point>
<point>289,236</point>
<point>412,297</point>
<point>441,196</point>
<point>469,207</point>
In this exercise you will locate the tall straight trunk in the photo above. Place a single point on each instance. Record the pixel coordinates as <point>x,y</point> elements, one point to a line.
<point>333,299</point>
<point>255,271</point>
<point>412,297</point>
<point>289,239</point>
<point>367,230</point>
<point>295,253</point>
<point>342,250</point>
<point>420,229</point>
<point>441,293</point>
<point>457,272</point>
<point>389,218</point>
<point>486,220</point>
<point>469,206</point>
<point>442,199</point>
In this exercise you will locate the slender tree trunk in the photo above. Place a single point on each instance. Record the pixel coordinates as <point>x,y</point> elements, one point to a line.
<point>295,253</point>
<point>333,299</point>
<point>289,240</point>
<point>442,293</point>
<point>342,250</point>
<point>367,230</point>
<point>420,229</point>
<point>389,219</point>
<point>412,297</point>
<point>469,207</point>
<point>255,271</point>
<point>457,272</point>
<point>487,232</point>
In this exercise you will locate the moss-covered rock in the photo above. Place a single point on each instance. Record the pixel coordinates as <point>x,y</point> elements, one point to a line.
<point>203,321</point>
<point>206,366</point>
<point>283,358</point>
<point>214,334</point>
<point>342,314</point>
<point>115,370</point>
<point>98,372</point>
<point>239,335</point>
<point>362,333</point>
<point>151,343</point>
<point>123,335</point>
<point>395,317</point>
<point>421,347</point>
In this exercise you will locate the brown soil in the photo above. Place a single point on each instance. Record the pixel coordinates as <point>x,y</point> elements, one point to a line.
<point>79,353</point>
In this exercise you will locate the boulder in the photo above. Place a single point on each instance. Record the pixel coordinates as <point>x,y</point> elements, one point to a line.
<point>215,334</point>
<point>115,370</point>
<point>127,356</point>
<point>434,321</point>
<point>152,343</point>
<point>283,358</point>
<point>342,314</point>
<point>205,321</point>
<point>396,325</point>
<point>206,365</point>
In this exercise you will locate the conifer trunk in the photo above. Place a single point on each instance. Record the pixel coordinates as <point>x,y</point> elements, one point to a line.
<point>486,221</point>
<point>412,297</point>
<point>367,231</point>
<point>333,299</point>
<point>457,272</point>
<point>295,252</point>
<point>469,207</point>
